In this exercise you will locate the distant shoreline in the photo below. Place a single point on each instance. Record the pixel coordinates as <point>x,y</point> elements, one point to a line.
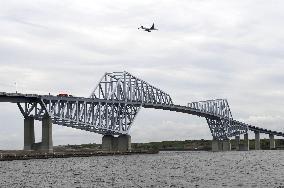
<point>186,145</point>
<point>41,155</point>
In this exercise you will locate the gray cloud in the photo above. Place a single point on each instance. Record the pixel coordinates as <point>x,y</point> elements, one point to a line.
<point>203,50</point>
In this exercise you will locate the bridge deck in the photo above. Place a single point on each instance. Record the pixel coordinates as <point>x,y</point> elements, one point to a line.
<point>187,110</point>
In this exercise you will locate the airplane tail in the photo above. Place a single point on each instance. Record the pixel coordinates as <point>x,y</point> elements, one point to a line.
<point>153,27</point>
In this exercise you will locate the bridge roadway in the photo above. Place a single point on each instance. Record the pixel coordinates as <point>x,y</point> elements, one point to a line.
<point>29,98</point>
<point>188,110</point>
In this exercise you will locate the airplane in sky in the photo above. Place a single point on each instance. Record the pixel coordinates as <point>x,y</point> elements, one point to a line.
<point>148,29</point>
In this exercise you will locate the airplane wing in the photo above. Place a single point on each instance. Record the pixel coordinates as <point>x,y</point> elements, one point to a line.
<point>152,27</point>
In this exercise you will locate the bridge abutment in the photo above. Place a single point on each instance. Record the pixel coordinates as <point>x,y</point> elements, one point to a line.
<point>271,141</point>
<point>257,140</point>
<point>29,134</point>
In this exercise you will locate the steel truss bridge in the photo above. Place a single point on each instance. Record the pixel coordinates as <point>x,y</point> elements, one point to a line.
<point>115,102</point>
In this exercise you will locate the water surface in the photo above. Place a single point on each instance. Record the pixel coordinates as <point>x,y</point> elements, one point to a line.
<point>167,169</point>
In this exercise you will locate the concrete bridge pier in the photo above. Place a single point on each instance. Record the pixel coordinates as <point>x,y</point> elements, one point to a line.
<point>257,140</point>
<point>221,145</point>
<point>238,142</point>
<point>107,142</point>
<point>122,143</point>
<point>216,145</point>
<point>246,142</point>
<point>29,133</point>
<point>226,145</point>
<point>271,141</point>
<point>46,144</point>
<point>245,145</point>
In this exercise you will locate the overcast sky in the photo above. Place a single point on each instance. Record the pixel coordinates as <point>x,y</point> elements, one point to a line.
<point>204,49</point>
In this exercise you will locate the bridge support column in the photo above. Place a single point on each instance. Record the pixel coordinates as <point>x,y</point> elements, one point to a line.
<point>29,134</point>
<point>257,140</point>
<point>46,144</point>
<point>226,145</point>
<point>107,142</point>
<point>216,145</point>
<point>124,143</point>
<point>271,141</point>
<point>115,144</point>
<point>238,141</point>
<point>245,146</point>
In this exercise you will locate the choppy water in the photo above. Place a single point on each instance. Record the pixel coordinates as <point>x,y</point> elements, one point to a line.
<point>167,169</point>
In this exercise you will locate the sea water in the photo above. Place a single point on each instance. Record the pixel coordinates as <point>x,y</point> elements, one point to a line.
<point>166,169</point>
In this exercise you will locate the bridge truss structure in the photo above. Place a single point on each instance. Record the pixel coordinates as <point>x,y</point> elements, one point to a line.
<point>122,86</point>
<point>110,110</point>
<point>222,125</point>
<point>115,102</point>
<point>100,116</point>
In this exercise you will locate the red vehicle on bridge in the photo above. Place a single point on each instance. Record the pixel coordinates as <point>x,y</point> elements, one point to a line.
<point>62,95</point>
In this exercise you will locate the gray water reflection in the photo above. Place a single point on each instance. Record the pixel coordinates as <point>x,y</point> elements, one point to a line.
<point>167,169</point>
